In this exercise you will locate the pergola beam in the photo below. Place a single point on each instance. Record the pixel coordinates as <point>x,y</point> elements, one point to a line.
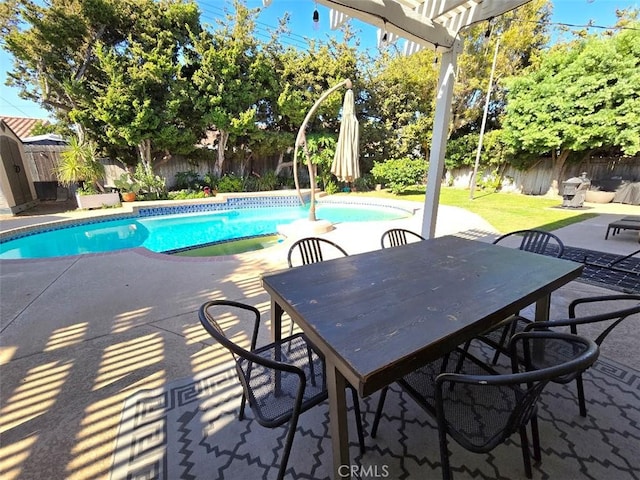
<point>396,18</point>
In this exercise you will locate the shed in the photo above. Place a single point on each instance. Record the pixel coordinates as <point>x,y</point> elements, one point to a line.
<point>17,192</point>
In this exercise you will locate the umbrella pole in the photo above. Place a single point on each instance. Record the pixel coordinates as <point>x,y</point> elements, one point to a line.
<point>301,140</point>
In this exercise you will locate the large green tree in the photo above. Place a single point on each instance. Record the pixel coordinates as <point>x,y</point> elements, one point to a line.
<point>400,101</point>
<point>53,46</point>
<point>143,98</point>
<point>111,67</point>
<point>401,90</point>
<point>515,40</point>
<point>304,76</point>
<point>234,78</point>
<point>583,96</point>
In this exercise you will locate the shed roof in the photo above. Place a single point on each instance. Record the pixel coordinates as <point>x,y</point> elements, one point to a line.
<point>22,126</point>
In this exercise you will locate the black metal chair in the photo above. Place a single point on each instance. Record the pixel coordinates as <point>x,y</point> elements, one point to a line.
<point>480,408</point>
<point>620,308</point>
<point>313,250</point>
<point>280,380</point>
<point>398,236</point>
<point>535,241</point>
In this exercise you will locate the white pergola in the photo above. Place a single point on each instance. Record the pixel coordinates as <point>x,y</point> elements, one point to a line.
<point>431,24</point>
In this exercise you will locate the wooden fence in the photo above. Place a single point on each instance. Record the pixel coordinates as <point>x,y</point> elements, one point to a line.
<point>42,159</point>
<point>538,180</point>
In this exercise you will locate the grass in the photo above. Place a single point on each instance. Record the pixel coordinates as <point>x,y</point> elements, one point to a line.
<point>506,212</point>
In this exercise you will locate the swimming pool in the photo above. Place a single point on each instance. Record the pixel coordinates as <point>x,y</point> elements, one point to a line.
<point>165,232</point>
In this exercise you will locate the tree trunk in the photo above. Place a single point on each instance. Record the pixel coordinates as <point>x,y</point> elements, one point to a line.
<point>223,137</point>
<point>558,169</point>
<point>144,150</point>
<point>281,164</point>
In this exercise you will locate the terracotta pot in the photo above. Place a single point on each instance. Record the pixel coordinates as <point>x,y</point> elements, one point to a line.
<point>128,196</point>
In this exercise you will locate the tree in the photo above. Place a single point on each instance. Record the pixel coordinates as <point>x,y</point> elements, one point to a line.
<point>306,75</point>
<point>114,68</point>
<point>53,46</point>
<point>143,98</point>
<point>233,77</point>
<point>583,96</point>
<point>523,33</point>
<point>398,116</point>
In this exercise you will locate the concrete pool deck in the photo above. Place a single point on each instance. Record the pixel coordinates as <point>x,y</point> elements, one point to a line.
<point>82,334</point>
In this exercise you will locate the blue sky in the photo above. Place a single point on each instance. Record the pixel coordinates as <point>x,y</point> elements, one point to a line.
<point>577,12</point>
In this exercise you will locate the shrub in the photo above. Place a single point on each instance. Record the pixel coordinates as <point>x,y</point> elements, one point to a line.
<point>400,173</point>
<point>286,181</point>
<point>330,188</point>
<point>79,163</point>
<point>126,184</point>
<point>489,181</point>
<point>186,194</point>
<point>251,184</point>
<point>363,183</point>
<point>210,180</point>
<point>268,181</point>
<point>230,183</point>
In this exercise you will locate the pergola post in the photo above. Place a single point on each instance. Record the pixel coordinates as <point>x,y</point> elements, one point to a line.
<point>441,121</point>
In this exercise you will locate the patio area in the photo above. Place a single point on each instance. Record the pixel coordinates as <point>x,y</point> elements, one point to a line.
<point>107,373</point>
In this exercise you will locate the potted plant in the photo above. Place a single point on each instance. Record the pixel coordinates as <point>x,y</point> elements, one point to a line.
<point>128,187</point>
<point>79,166</point>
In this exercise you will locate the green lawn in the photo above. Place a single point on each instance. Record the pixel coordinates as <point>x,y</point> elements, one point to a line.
<point>505,211</point>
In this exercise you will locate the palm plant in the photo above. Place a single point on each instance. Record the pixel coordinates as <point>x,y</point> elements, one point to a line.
<point>79,163</point>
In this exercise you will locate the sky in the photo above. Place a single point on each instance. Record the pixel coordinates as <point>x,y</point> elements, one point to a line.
<point>574,12</point>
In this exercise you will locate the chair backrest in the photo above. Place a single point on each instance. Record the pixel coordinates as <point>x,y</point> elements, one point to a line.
<point>398,236</point>
<point>271,401</point>
<point>313,250</point>
<point>480,411</point>
<point>618,307</point>
<point>209,313</point>
<point>536,241</point>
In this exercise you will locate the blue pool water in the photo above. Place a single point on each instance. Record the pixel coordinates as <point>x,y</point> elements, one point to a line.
<point>172,232</point>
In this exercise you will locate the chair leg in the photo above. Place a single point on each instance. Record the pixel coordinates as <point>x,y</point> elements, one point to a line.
<point>503,338</point>
<point>465,350</point>
<point>293,424</point>
<point>243,402</point>
<point>356,411</point>
<point>444,453</point>
<point>535,438</point>
<point>581,400</point>
<point>376,420</point>
<point>312,370</point>
<point>525,451</point>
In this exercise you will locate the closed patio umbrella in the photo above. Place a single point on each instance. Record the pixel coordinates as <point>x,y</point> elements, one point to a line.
<point>345,164</point>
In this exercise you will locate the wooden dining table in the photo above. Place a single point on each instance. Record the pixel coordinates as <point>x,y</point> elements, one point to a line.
<point>379,315</point>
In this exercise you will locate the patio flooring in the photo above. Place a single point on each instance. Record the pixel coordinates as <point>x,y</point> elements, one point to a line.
<point>82,336</point>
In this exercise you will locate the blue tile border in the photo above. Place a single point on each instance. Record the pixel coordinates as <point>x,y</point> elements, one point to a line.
<point>234,203</point>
